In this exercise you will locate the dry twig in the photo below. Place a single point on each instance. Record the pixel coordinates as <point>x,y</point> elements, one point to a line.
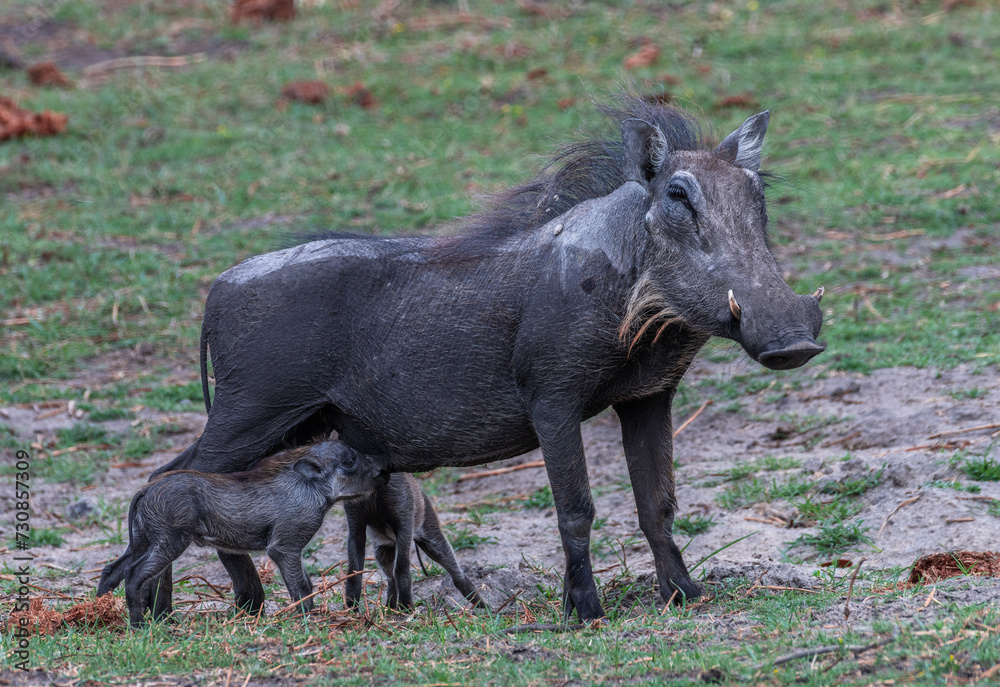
<point>850,589</point>
<point>692,418</point>
<point>963,431</point>
<point>842,439</point>
<point>503,471</point>
<point>820,650</point>
<point>143,61</point>
<point>896,509</point>
<point>542,627</point>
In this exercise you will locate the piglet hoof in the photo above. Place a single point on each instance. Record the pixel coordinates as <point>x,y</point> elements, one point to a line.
<point>684,592</point>
<point>249,611</point>
<point>250,606</point>
<point>477,601</point>
<point>587,610</point>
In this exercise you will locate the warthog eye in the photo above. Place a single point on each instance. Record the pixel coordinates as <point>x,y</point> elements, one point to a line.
<point>675,192</point>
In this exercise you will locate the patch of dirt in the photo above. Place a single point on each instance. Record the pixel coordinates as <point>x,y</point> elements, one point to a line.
<point>888,419</point>
<point>61,42</point>
<point>69,48</point>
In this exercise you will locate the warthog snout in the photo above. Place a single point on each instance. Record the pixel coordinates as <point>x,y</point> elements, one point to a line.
<point>780,332</point>
<point>793,356</point>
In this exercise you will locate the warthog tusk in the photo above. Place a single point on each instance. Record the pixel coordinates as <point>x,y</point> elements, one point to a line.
<point>818,294</point>
<point>733,305</point>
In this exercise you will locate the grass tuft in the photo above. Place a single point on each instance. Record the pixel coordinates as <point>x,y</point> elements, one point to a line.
<point>982,469</point>
<point>836,537</point>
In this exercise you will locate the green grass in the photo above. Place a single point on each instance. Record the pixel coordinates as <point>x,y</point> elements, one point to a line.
<point>814,509</point>
<point>112,233</point>
<point>157,178</point>
<point>775,464</point>
<point>465,538</point>
<point>836,537</point>
<point>81,433</point>
<point>48,536</point>
<point>956,485</point>
<point>693,525</point>
<point>964,394</point>
<point>113,413</point>
<point>541,498</point>
<point>756,490</point>
<point>981,469</point>
<point>433,647</point>
<point>853,487</point>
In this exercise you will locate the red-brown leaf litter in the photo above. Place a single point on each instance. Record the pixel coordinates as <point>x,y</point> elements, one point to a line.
<point>361,96</point>
<point>263,10</point>
<point>310,92</point>
<point>647,56</point>
<point>16,122</point>
<point>941,566</point>
<point>48,74</point>
<point>106,611</point>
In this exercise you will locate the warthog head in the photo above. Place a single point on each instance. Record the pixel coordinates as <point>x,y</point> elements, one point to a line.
<point>708,263</point>
<point>340,472</point>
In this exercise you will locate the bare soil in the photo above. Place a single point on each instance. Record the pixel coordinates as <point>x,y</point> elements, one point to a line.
<point>72,49</point>
<point>838,427</point>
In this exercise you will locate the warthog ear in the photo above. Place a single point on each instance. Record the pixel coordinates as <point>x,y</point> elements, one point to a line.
<point>308,468</point>
<point>646,150</point>
<point>744,146</point>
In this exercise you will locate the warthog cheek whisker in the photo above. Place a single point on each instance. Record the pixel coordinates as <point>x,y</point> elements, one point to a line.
<point>818,294</point>
<point>666,312</point>
<point>663,327</point>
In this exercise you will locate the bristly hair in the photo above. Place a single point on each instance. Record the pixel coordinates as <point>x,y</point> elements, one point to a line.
<point>591,168</point>
<point>587,169</point>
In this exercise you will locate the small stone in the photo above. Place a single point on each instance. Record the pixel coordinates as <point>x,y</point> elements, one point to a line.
<point>80,509</point>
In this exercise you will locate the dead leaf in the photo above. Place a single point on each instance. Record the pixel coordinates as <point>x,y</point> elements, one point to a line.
<point>48,74</point>
<point>361,96</point>
<point>645,57</point>
<point>745,100</point>
<point>16,122</point>
<point>309,92</point>
<point>266,10</point>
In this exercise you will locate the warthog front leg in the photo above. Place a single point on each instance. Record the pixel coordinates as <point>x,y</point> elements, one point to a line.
<point>247,588</point>
<point>566,466</point>
<point>647,435</point>
<point>296,580</point>
<point>162,596</point>
<point>385,556</point>
<point>404,581</point>
<point>143,580</point>
<point>356,540</point>
<point>432,540</point>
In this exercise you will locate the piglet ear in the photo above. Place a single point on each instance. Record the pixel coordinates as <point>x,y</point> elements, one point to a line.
<point>645,150</point>
<point>308,468</point>
<point>744,147</point>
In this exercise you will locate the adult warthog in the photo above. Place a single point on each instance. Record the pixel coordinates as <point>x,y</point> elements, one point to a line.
<point>593,285</point>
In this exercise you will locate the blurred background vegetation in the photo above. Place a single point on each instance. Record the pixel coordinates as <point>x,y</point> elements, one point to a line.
<point>885,134</point>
